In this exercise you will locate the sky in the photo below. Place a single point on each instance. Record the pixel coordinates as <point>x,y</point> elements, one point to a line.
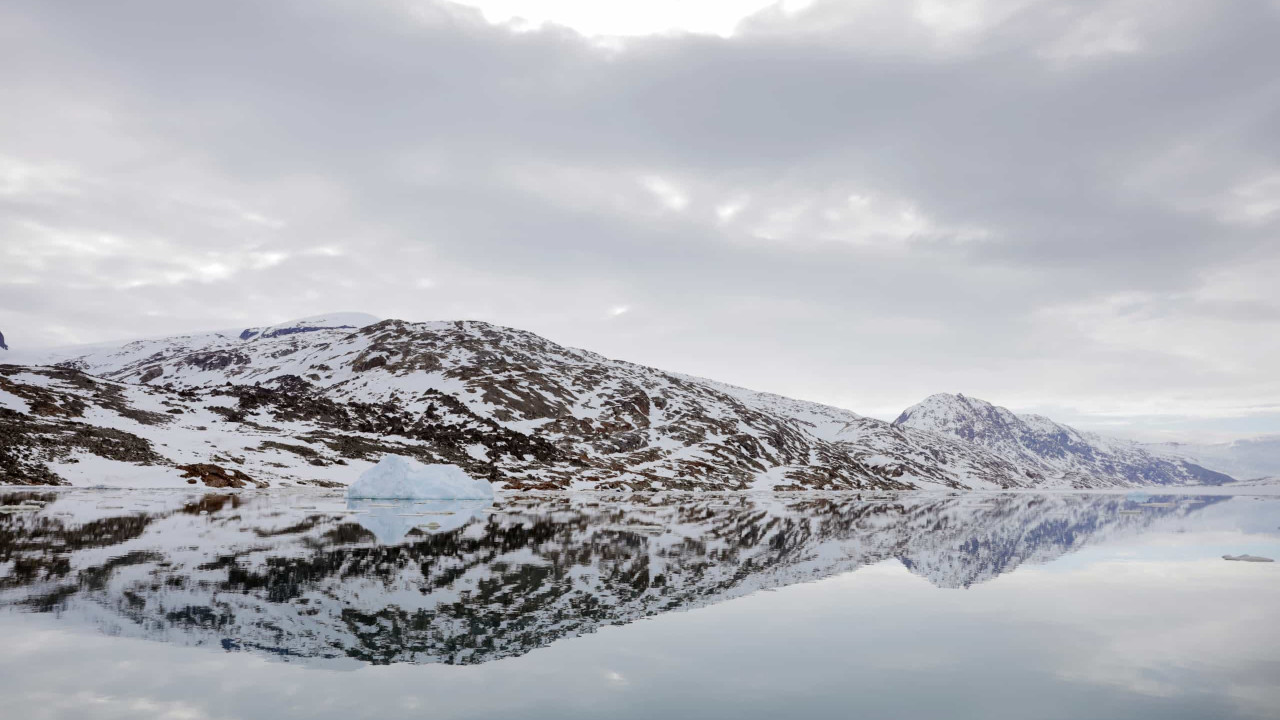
<point>1066,207</point>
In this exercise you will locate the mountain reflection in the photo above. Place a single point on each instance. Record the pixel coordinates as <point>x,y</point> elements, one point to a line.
<point>304,576</point>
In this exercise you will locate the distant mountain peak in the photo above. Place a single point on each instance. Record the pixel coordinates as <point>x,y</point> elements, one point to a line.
<point>941,409</point>
<point>327,321</point>
<point>1049,448</point>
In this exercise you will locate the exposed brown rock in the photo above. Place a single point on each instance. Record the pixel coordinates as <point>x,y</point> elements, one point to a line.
<point>322,483</point>
<point>217,360</point>
<point>376,361</point>
<point>219,477</point>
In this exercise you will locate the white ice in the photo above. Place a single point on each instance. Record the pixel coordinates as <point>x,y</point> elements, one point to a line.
<point>402,478</point>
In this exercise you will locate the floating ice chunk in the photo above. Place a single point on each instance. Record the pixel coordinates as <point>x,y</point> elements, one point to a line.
<point>402,478</point>
<point>1247,558</point>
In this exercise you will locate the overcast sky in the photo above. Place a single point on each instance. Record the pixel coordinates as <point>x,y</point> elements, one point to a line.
<point>1061,206</point>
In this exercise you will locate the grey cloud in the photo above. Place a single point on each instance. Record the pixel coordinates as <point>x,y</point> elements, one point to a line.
<point>918,208</point>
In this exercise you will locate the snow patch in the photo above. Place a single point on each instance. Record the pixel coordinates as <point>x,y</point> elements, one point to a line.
<point>82,469</point>
<point>771,478</point>
<point>12,402</point>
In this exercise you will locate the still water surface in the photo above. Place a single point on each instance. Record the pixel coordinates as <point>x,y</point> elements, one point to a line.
<point>821,605</point>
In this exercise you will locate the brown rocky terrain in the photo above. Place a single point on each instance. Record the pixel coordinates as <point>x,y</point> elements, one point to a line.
<point>317,401</point>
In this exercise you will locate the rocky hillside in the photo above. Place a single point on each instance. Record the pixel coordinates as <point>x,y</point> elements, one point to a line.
<point>1057,454</point>
<point>316,401</point>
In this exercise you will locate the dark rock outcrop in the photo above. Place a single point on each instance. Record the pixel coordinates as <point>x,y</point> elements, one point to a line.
<point>216,476</point>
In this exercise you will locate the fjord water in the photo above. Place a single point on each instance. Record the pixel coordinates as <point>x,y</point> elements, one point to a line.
<point>821,605</point>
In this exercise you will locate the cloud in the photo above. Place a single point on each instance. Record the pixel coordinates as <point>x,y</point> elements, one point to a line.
<point>1041,203</point>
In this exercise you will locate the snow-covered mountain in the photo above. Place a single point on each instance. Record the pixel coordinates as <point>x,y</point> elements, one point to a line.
<point>316,401</point>
<point>305,576</point>
<point>1056,454</point>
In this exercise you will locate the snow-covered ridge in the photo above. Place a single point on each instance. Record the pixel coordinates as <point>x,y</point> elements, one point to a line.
<point>1056,453</point>
<point>318,406</point>
<point>331,321</point>
<point>316,401</point>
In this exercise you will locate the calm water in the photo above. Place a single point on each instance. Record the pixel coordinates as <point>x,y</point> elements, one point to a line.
<point>275,605</point>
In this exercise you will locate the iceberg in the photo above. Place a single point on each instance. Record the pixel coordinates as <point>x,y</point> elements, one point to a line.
<point>400,478</point>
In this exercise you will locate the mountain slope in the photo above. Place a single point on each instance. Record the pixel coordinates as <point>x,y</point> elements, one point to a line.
<point>1057,453</point>
<point>316,401</point>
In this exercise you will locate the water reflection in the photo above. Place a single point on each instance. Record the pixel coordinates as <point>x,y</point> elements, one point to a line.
<point>391,522</point>
<point>311,577</point>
